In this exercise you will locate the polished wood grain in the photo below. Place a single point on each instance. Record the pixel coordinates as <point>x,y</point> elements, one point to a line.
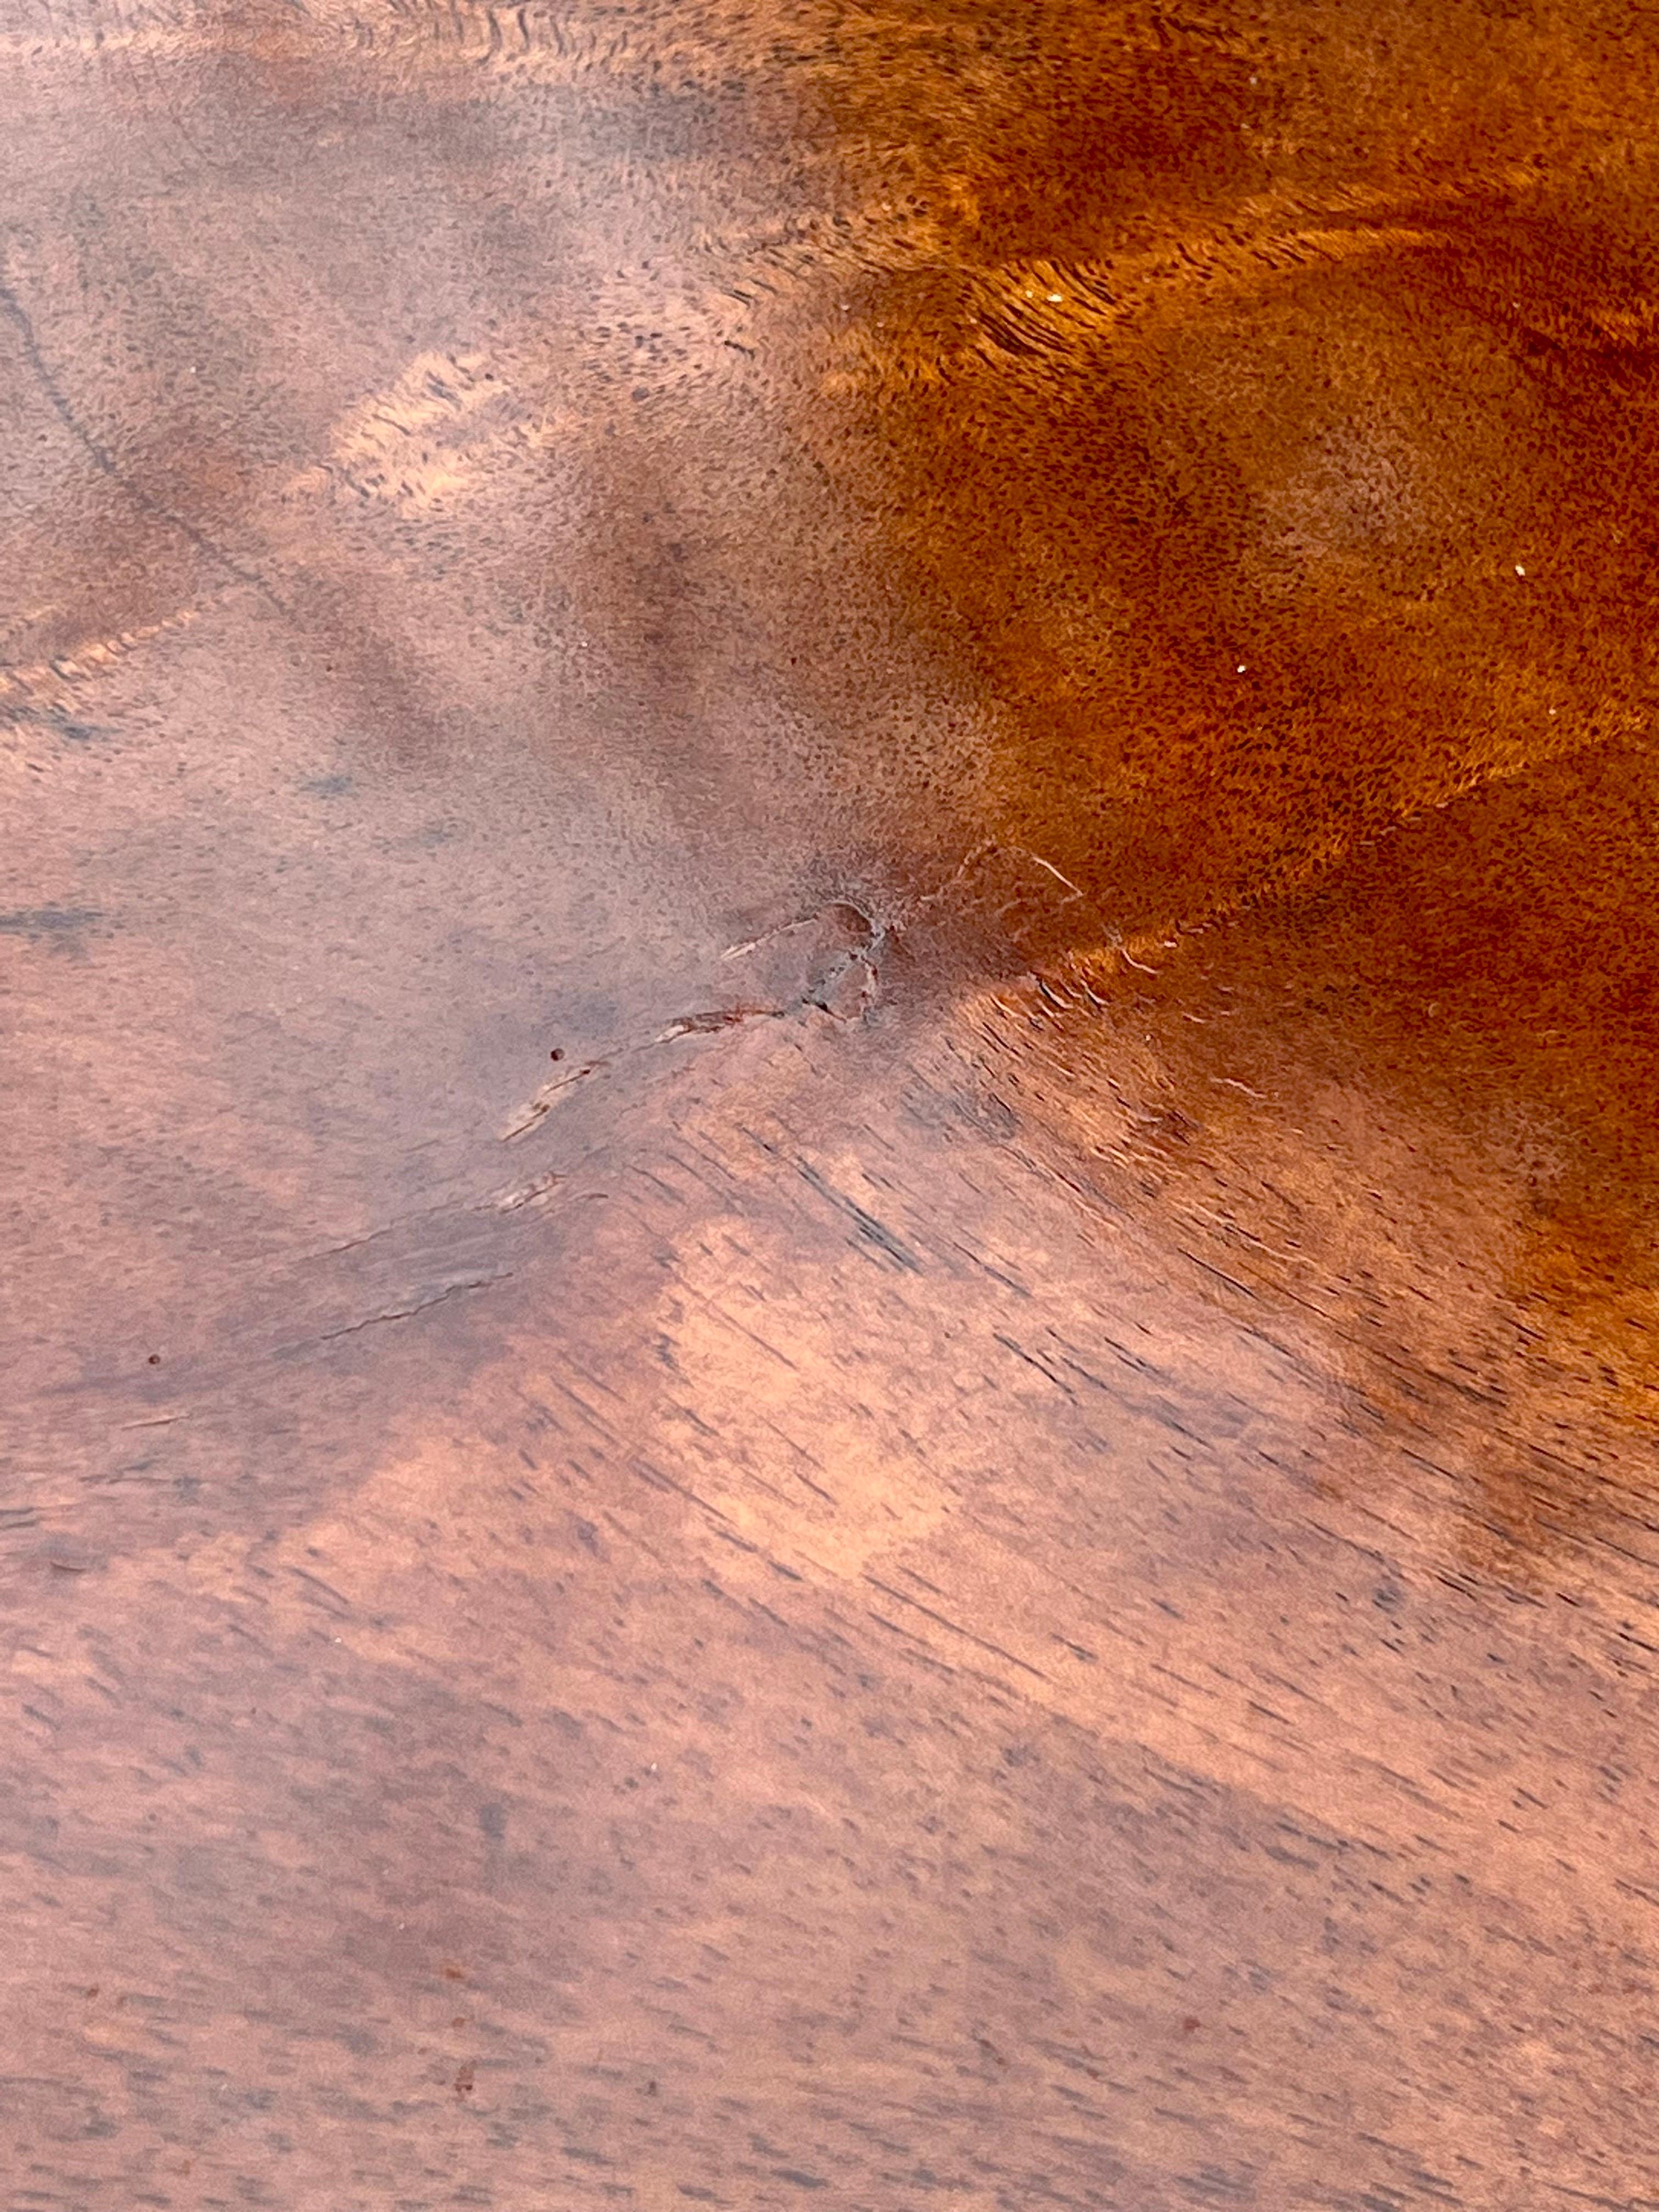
<point>830,1045</point>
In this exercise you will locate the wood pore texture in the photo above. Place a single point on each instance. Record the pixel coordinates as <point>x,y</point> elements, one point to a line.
<point>831,1344</point>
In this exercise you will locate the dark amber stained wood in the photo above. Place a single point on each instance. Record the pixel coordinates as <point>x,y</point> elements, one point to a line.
<point>828,989</point>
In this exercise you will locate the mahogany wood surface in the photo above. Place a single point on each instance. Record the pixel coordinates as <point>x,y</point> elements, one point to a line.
<point>831,896</point>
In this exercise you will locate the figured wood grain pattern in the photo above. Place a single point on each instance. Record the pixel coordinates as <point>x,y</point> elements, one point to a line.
<point>828,974</point>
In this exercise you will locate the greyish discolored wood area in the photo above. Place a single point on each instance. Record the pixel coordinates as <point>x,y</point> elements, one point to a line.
<point>828,961</point>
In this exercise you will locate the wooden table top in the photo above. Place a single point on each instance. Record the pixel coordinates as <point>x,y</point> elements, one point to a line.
<point>832,1224</point>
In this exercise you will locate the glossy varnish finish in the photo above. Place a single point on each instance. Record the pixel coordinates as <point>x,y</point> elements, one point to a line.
<point>831,1326</point>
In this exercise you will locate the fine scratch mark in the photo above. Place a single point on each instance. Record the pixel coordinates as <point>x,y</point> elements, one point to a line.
<point>987,849</point>
<point>824,990</point>
<point>717,1017</point>
<point>536,1192</point>
<point>405,1313</point>
<point>546,1098</point>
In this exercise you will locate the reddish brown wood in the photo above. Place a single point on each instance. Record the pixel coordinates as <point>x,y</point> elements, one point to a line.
<point>830,1362</point>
